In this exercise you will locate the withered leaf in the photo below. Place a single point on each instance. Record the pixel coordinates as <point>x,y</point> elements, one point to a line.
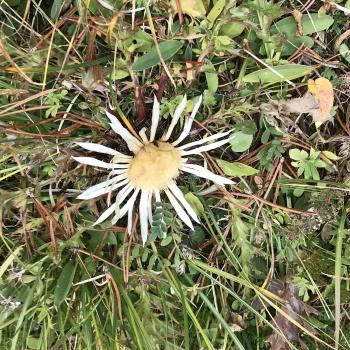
<point>298,19</point>
<point>317,101</point>
<point>322,90</point>
<point>141,109</point>
<point>283,109</point>
<point>295,308</point>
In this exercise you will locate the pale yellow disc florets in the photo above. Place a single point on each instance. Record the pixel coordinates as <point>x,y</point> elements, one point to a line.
<point>154,166</point>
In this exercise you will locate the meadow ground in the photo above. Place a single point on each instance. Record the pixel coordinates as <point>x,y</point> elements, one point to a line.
<point>267,264</point>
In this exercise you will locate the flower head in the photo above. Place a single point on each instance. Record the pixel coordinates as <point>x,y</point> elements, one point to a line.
<point>152,170</point>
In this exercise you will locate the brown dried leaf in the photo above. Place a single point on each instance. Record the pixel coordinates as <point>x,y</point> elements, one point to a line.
<point>298,17</point>
<point>305,104</point>
<point>276,287</point>
<point>317,102</point>
<point>163,84</point>
<point>141,109</point>
<point>294,307</point>
<point>322,90</point>
<point>189,72</point>
<point>237,324</point>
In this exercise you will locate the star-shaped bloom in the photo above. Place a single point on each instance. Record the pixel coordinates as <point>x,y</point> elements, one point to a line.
<point>151,173</point>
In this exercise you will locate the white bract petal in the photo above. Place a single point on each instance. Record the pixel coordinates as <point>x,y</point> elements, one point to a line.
<point>179,210</point>
<point>98,163</point>
<point>205,140</point>
<point>143,135</point>
<point>122,160</point>
<point>133,143</point>
<point>184,160</point>
<point>143,211</point>
<point>124,193</point>
<point>107,213</point>
<point>130,206</point>
<point>181,198</point>
<point>95,147</point>
<point>157,196</point>
<point>188,122</point>
<point>206,174</point>
<point>206,148</point>
<point>149,205</point>
<point>120,212</point>
<point>155,119</point>
<point>117,172</point>
<point>130,203</point>
<point>120,165</point>
<point>101,191</point>
<point>177,114</point>
<point>90,192</point>
<point>208,190</point>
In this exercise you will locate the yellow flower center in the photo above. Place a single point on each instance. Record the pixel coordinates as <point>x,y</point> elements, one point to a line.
<point>154,166</point>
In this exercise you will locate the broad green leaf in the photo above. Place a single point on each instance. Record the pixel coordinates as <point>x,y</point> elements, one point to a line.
<point>13,2</point>
<point>345,52</point>
<point>307,171</point>
<point>55,9</point>
<point>119,74</point>
<point>315,174</point>
<point>320,163</point>
<point>216,10</point>
<point>236,168</point>
<point>232,29</point>
<point>298,192</point>
<point>120,69</point>
<point>247,127</point>
<point>241,141</point>
<point>64,283</point>
<point>194,8</point>
<point>293,43</point>
<point>211,77</point>
<point>197,235</point>
<point>265,136</point>
<point>139,41</point>
<point>167,49</point>
<point>195,203</point>
<point>33,343</point>
<point>93,6</point>
<point>296,154</point>
<point>164,242</point>
<point>287,71</point>
<point>28,279</point>
<point>301,169</point>
<point>97,237</point>
<point>312,23</point>
<point>223,40</point>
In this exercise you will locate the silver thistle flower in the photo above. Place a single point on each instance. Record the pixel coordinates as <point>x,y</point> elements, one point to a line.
<point>152,170</point>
